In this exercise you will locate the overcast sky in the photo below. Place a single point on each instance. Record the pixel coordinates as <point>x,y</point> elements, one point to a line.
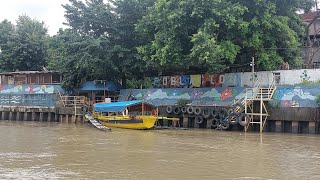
<point>49,11</point>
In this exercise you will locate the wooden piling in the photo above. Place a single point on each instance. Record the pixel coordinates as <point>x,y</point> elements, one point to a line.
<point>185,122</point>
<point>312,127</point>
<point>278,126</point>
<point>295,127</point>
<point>209,122</point>
<point>10,115</point>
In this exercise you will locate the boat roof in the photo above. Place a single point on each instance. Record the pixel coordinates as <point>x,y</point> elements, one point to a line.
<point>115,106</point>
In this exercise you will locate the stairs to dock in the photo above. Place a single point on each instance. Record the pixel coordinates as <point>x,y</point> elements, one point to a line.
<point>257,95</point>
<point>253,96</point>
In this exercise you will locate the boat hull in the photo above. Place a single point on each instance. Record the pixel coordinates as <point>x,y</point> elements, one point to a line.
<point>139,122</point>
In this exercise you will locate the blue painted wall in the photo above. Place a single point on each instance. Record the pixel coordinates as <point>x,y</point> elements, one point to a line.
<point>285,96</point>
<point>29,95</point>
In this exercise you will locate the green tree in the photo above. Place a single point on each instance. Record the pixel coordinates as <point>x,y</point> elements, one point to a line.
<point>23,47</point>
<point>101,41</point>
<point>216,34</point>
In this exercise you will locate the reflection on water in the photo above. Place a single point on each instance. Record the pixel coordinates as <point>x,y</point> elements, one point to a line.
<point>41,150</point>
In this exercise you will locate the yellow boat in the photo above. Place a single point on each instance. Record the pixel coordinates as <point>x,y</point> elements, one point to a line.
<point>126,114</point>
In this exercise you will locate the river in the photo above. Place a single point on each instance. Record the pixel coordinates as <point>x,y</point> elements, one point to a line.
<point>45,150</point>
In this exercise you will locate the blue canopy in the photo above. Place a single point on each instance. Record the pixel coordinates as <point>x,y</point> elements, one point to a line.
<point>115,107</point>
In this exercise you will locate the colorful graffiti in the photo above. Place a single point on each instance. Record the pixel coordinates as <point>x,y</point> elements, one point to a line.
<point>305,76</point>
<point>295,96</point>
<point>187,81</point>
<point>165,96</point>
<point>29,95</point>
<point>30,89</point>
<point>285,96</point>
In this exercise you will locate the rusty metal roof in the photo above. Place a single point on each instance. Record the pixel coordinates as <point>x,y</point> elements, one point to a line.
<point>28,72</point>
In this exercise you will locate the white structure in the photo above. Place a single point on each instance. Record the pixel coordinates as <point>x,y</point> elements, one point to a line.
<point>283,77</point>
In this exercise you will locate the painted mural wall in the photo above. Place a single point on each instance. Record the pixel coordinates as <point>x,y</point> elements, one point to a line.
<point>285,96</point>
<point>29,95</point>
<point>245,79</point>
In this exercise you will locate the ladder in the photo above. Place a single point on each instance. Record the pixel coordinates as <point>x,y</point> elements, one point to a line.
<point>261,95</point>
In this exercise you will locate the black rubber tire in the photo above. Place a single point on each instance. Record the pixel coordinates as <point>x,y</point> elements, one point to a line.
<point>197,110</point>
<point>190,110</point>
<point>243,119</point>
<point>183,109</point>
<point>169,109</point>
<point>176,110</point>
<point>206,113</point>
<point>223,113</point>
<point>215,123</point>
<point>225,124</point>
<point>199,119</point>
<point>238,108</point>
<point>214,112</point>
<point>229,111</point>
<point>233,118</point>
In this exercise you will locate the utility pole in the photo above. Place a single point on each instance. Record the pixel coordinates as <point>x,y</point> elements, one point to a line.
<point>252,65</point>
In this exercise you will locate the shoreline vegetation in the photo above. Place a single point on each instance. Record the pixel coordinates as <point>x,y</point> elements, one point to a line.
<point>127,40</point>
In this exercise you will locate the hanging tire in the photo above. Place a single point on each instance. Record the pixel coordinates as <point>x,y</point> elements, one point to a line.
<point>238,108</point>
<point>169,109</point>
<point>206,113</point>
<point>225,124</point>
<point>233,118</point>
<point>230,111</point>
<point>214,112</point>
<point>197,110</point>
<point>244,119</point>
<point>183,109</point>
<point>199,119</point>
<point>176,110</point>
<point>215,123</point>
<point>190,110</point>
<point>223,113</point>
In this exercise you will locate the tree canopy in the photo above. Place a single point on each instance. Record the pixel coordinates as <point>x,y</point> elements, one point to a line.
<point>101,41</point>
<point>216,34</point>
<point>23,46</point>
<point>126,39</point>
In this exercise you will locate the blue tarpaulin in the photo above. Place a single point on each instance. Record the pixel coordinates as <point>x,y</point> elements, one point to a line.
<point>115,107</point>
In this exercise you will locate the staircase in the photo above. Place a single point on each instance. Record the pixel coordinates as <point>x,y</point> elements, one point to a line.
<point>261,95</point>
<point>75,103</point>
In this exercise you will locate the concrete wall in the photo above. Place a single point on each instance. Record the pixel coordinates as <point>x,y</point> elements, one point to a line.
<point>284,96</point>
<point>245,79</point>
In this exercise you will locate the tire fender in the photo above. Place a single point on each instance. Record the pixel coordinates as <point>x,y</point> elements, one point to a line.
<point>169,109</point>
<point>215,123</point>
<point>190,110</point>
<point>206,113</point>
<point>176,110</point>
<point>199,119</point>
<point>197,110</point>
<point>244,119</point>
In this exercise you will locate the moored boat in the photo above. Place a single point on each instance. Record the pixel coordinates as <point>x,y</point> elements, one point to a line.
<point>126,114</point>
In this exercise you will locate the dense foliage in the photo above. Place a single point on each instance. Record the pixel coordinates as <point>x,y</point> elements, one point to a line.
<point>101,42</point>
<point>216,34</point>
<point>23,46</point>
<point>125,39</point>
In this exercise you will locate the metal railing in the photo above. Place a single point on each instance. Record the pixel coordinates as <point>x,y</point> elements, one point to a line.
<point>72,101</point>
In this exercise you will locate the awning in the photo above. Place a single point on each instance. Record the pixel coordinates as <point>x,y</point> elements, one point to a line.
<point>115,107</point>
<point>93,86</point>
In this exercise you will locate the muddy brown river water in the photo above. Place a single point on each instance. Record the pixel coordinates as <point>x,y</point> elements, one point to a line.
<point>42,150</point>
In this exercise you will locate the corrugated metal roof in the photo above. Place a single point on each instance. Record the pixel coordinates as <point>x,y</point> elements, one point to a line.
<point>27,72</point>
<point>93,86</point>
